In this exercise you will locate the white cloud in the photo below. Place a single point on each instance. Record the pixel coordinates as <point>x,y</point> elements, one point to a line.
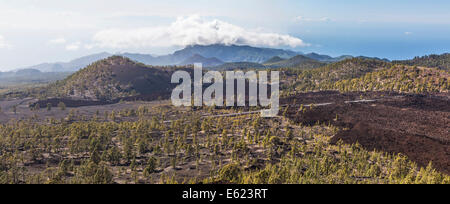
<point>88,46</point>
<point>58,41</point>
<point>188,31</point>
<point>3,43</point>
<point>73,46</point>
<point>408,33</point>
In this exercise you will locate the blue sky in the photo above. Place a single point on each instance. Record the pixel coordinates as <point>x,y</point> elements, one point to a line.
<point>37,31</point>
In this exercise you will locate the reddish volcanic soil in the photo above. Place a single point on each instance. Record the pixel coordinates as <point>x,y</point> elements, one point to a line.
<point>417,126</point>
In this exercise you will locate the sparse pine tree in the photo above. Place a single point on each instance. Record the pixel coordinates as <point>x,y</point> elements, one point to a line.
<point>62,106</point>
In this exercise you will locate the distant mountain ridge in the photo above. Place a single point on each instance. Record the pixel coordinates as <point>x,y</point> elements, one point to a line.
<point>238,66</point>
<point>26,76</point>
<point>274,60</point>
<point>209,55</point>
<point>221,53</point>
<point>326,58</point>
<point>299,61</point>
<point>71,66</point>
<point>207,62</point>
<point>224,53</point>
<point>235,53</point>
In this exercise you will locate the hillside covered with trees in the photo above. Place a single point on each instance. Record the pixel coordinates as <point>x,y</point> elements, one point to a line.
<point>434,61</point>
<point>112,78</point>
<point>299,62</point>
<point>359,74</point>
<point>323,77</point>
<point>135,146</point>
<point>399,78</point>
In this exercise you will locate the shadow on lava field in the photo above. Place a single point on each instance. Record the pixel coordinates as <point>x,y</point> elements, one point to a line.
<point>417,126</point>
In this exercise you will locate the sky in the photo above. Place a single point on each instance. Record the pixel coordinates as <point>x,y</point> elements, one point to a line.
<point>38,31</point>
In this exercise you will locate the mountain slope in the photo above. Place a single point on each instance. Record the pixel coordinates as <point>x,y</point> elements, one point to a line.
<point>399,78</point>
<point>438,61</point>
<point>30,76</point>
<point>343,57</point>
<point>274,60</point>
<point>373,58</point>
<point>298,61</point>
<point>207,62</point>
<point>238,66</point>
<point>142,58</point>
<point>318,57</point>
<point>325,77</point>
<point>215,55</point>
<point>234,53</point>
<point>112,78</point>
<point>326,58</point>
<point>223,53</point>
<point>71,66</point>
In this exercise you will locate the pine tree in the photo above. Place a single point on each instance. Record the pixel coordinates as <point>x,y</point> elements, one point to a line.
<point>62,106</point>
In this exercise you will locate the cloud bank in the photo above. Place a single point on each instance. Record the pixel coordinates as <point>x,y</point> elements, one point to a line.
<point>3,43</point>
<point>73,46</point>
<point>58,41</point>
<point>189,31</point>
